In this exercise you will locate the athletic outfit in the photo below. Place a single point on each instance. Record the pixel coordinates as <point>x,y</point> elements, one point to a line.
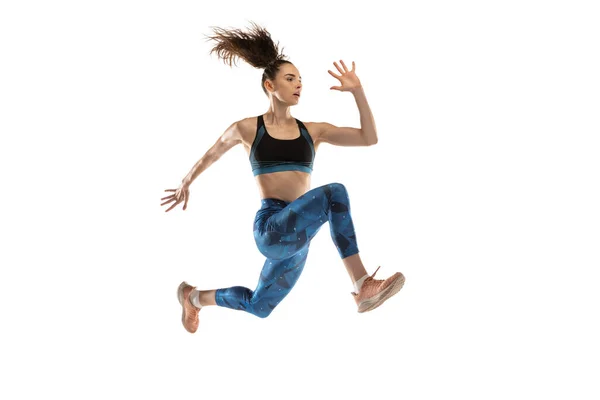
<point>283,230</point>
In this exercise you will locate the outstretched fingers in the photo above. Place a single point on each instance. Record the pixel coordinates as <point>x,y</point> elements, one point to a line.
<point>344,65</point>
<point>177,197</point>
<point>169,199</point>
<point>173,206</point>
<point>171,196</point>
<point>343,69</point>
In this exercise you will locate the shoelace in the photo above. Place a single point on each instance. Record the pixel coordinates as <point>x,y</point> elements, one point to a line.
<point>372,279</point>
<point>373,276</point>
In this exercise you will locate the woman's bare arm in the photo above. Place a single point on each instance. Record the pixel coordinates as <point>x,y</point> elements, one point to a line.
<point>228,140</point>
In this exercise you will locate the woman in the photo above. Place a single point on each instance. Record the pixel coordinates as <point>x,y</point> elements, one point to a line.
<point>281,151</point>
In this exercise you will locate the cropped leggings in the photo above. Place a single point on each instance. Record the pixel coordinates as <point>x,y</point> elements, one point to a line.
<point>283,232</point>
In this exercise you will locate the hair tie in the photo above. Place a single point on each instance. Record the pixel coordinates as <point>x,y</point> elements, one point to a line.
<point>271,63</point>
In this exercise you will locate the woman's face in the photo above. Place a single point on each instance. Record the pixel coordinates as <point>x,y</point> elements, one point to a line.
<point>287,86</point>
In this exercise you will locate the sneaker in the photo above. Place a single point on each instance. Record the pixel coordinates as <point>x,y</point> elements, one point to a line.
<point>189,315</point>
<point>374,292</point>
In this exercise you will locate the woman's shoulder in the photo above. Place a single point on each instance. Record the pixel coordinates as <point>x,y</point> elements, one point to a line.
<point>246,128</point>
<point>314,128</point>
<point>248,125</point>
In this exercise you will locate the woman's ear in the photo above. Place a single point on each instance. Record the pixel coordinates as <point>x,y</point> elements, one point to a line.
<point>269,85</point>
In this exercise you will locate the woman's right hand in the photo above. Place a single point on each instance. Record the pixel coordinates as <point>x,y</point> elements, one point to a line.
<point>181,194</point>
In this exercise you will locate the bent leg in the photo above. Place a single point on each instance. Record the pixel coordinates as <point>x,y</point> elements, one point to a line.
<point>282,234</point>
<point>276,280</point>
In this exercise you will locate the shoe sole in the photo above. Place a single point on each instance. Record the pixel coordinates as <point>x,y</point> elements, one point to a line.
<point>182,286</point>
<point>380,298</point>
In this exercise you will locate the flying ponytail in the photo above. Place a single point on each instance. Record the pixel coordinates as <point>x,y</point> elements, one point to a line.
<point>254,46</point>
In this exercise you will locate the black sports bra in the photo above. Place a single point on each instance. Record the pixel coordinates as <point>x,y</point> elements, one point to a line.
<point>273,155</point>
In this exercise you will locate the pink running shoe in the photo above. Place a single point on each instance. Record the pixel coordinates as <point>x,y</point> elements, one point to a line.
<point>189,315</point>
<point>374,292</point>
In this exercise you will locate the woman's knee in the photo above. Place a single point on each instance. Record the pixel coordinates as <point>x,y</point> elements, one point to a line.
<point>338,192</point>
<point>263,313</point>
<point>263,310</point>
<point>338,187</point>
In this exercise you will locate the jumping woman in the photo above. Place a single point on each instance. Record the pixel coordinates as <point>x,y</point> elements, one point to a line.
<point>281,150</point>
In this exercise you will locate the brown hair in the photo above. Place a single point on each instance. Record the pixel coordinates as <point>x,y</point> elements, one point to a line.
<point>254,46</point>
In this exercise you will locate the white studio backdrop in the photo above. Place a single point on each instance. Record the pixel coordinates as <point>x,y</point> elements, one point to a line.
<point>482,190</point>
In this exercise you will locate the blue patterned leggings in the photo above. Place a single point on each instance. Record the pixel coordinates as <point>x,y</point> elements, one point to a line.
<point>283,232</point>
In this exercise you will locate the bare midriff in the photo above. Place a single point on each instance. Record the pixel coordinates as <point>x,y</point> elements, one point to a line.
<point>284,185</point>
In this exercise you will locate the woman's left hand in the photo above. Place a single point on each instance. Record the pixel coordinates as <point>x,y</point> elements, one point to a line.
<point>348,78</point>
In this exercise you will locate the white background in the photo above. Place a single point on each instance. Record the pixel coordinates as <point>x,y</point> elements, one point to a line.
<point>483,191</point>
